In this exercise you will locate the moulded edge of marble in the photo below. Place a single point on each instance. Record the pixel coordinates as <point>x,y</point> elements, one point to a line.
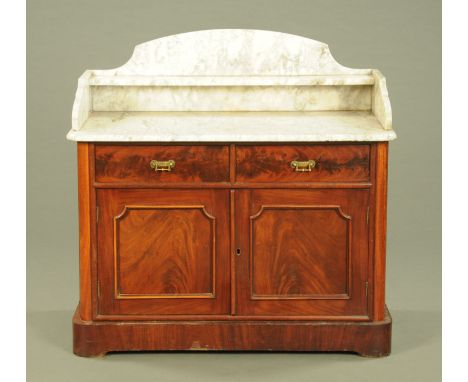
<point>232,126</point>
<point>382,136</point>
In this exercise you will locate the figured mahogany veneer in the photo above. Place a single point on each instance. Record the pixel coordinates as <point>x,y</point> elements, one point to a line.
<point>308,253</point>
<point>232,249</point>
<point>338,163</point>
<point>368,339</point>
<point>124,164</point>
<point>180,261</point>
<point>281,241</point>
<point>163,252</point>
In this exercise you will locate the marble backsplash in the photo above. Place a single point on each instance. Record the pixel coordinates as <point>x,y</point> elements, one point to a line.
<point>235,98</point>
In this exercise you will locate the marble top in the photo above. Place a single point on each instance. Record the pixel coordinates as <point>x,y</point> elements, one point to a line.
<point>232,85</point>
<point>232,127</point>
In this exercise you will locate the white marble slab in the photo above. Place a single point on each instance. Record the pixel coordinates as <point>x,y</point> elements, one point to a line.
<point>232,70</point>
<point>231,127</point>
<point>232,52</point>
<point>202,80</point>
<point>234,98</point>
<point>381,102</point>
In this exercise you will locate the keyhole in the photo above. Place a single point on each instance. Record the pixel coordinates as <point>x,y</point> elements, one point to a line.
<point>238,251</point>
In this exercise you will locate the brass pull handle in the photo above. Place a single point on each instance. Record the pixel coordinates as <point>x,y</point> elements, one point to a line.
<point>166,165</point>
<point>305,166</point>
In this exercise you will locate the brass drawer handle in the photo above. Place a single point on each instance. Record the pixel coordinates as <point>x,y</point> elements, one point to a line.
<point>307,165</point>
<point>166,165</point>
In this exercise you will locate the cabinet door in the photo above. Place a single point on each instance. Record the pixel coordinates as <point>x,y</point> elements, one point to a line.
<point>163,252</point>
<point>302,253</point>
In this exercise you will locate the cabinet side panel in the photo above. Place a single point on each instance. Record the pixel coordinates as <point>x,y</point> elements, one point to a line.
<point>85,242</point>
<point>380,239</point>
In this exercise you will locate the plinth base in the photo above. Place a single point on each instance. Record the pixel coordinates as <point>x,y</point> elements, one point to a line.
<point>96,338</point>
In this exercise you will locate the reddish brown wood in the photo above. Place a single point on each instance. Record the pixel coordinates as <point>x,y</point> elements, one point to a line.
<point>229,317</point>
<point>234,243</point>
<point>124,164</point>
<point>370,339</point>
<point>343,163</point>
<point>300,252</point>
<point>236,185</point>
<point>163,252</point>
<point>233,248</point>
<point>85,206</point>
<point>232,163</point>
<point>380,229</point>
<point>300,260</point>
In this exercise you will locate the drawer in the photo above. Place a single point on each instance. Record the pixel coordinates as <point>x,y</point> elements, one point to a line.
<point>302,163</point>
<point>175,164</point>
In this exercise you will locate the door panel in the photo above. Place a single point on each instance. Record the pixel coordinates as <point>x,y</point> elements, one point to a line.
<point>303,252</point>
<point>163,252</point>
<point>301,247</point>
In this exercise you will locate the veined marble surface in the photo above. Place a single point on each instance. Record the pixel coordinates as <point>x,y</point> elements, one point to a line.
<point>231,98</point>
<point>229,72</point>
<point>231,127</point>
<point>323,80</point>
<point>231,52</point>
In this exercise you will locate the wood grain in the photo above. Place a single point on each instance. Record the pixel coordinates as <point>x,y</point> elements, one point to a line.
<point>123,164</point>
<point>236,185</point>
<point>263,163</point>
<point>287,256</point>
<point>169,254</point>
<point>85,207</point>
<point>300,252</point>
<point>230,317</point>
<point>380,229</point>
<point>370,339</point>
<point>233,250</point>
<point>164,252</point>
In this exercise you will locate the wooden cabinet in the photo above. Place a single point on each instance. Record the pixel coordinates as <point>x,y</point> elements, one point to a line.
<point>234,247</point>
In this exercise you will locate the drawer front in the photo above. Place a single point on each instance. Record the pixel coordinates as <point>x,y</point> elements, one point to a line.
<point>161,164</point>
<point>302,163</point>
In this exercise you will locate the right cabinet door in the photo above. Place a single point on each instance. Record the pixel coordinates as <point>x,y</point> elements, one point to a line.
<point>302,253</point>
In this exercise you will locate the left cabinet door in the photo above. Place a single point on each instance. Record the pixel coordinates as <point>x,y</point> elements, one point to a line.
<point>163,252</point>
